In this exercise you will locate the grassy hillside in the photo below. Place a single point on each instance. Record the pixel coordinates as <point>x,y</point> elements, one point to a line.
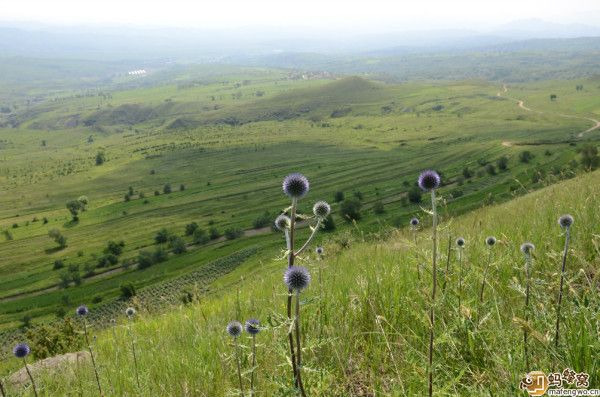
<point>352,135</point>
<point>364,315</point>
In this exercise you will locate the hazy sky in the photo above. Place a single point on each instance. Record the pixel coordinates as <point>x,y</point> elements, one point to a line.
<point>376,14</point>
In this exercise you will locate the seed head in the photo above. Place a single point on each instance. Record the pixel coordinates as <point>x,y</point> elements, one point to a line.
<point>527,248</point>
<point>253,326</point>
<point>295,185</point>
<point>429,180</point>
<point>282,222</point>
<point>490,241</point>
<point>130,312</point>
<point>296,278</point>
<point>460,242</point>
<point>414,222</point>
<point>321,209</point>
<point>21,350</point>
<point>82,310</point>
<point>234,328</point>
<point>565,221</point>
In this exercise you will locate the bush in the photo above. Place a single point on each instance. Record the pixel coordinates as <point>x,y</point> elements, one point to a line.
<point>378,208</point>
<point>58,237</point>
<point>502,163</point>
<point>525,156</point>
<point>107,259</point>
<point>414,195</point>
<point>490,169</point>
<point>589,157</point>
<point>162,236</point>
<point>190,228</point>
<point>233,233</point>
<point>350,210</point>
<point>58,264</point>
<point>127,291</point>
<point>200,237</point>
<point>167,188</point>
<point>262,221</point>
<point>328,224</point>
<point>51,340</point>
<point>214,233</point>
<point>145,259</point>
<point>177,244</point>
<point>467,173</point>
<point>114,248</point>
<point>160,255</point>
<point>338,197</point>
<point>97,299</point>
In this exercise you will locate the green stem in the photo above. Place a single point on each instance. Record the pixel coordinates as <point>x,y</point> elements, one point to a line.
<point>239,366</point>
<point>135,363</point>
<point>30,377</point>
<point>253,365</point>
<point>433,290</point>
<point>560,291</point>
<point>87,341</point>
<point>290,292</point>
<point>298,346</point>
<point>460,275</point>
<point>525,333</point>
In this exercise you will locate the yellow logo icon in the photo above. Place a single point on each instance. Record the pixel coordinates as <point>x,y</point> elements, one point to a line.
<point>536,383</point>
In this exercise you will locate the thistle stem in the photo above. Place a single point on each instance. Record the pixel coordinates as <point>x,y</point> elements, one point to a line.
<point>525,332</point>
<point>312,235</point>
<point>460,275</point>
<point>30,377</point>
<point>298,345</point>
<point>87,341</point>
<point>433,290</point>
<point>290,292</point>
<point>253,365</point>
<point>560,291</point>
<point>239,366</point>
<point>2,389</point>
<point>135,364</point>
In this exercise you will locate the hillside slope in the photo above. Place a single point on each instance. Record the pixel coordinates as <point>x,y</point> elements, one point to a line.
<point>364,315</point>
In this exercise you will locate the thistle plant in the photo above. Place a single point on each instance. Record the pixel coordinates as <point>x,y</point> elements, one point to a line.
<point>527,250</point>
<point>565,222</point>
<point>296,186</point>
<point>21,351</point>
<point>130,313</point>
<point>490,242</point>
<point>234,329</point>
<point>253,328</point>
<point>83,311</point>
<point>460,243</point>
<point>429,181</point>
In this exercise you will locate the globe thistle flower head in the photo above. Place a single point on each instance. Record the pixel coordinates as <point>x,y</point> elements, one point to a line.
<point>490,241</point>
<point>21,350</point>
<point>234,329</point>
<point>321,209</point>
<point>82,310</point>
<point>460,242</point>
<point>297,278</point>
<point>130,312</point>
<point>282,222</point>
<point>527,248</point>
<point>295,185</point>
<point>319,250</point>
<point>253,326</point>
<point>565,221</point>
<point>429,180</point>
<point>414,222</point>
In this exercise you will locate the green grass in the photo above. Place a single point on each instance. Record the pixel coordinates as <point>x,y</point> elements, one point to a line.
<point>386,134</point>
<point>366,323</point>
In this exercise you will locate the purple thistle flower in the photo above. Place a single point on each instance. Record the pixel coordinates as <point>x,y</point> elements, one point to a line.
<point>82,310</point>
<point>321,209</point>
<point>297,278</point>
<point>21,350</point>
<point>414,222</point>
<point>319,250</point>
<point>130,312</point>
<point>527,248</point>
<point>253,326</point>
<point>429,180</point>
<point>565,221</point>
<point>460,242</point>
<point>295,185</point>
<point>490,241</point>
<point>282,222</point>
<point>234,328</point>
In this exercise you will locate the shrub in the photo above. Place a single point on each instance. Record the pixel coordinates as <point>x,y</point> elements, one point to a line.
<point>190,228</point>
<point>100,158</point>
<point>328,224</point>
<point>490,169</point>
<point>58,237</point>
<point>177,244</point>
<point>114,248</point>
<point>127,291</point>
<point>467,173</point>
<point>200,237</point>
<point>262,221</point>
<point>162,236</point>
<point>378,207</point>
<point>107,259</point>
<point>160,255</point>
<point>97,299</point>
<point>338,197</point>
<point>525,156</point>
<point>589,157</point>
<point>181,187</point>
<point>167,188</point>
<point>502,163</point>
<point>414,195</point>
<point>58,264</point>
<point>233,233</point>
<point>214,233</point>
<point>350,209</point>
<point>145,259</point>
<point>48,340</point>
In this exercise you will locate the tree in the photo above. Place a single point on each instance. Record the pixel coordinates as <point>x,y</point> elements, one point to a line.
<point>553,97</point>
<point>58,264</point>
<point>502,163</point>
<point>589,157</point>
<point>100,158</point>
<point>145,259</point>
<point>114,248</point>
<point>350,209</point>
<point>200,237</point>
<point>214,233</point>
<point>160,255</point>
<point>83,200</point>
<point>127,291</point>
<point>338,197</point>
<point>414,195</point>
<point>233,233</point>
<point>190,228</point>
<point>74,206</point>
<point>490,169</point>
<point>328,224</point>
<point>181,187</point>
<point>167,188</point>
<point>525,156</point>
<point>378,207</point>
<point>263,220</point>
<point>58,237</point>
<point>162,236</point>
<point>177,244</point>
<point>467,173</point>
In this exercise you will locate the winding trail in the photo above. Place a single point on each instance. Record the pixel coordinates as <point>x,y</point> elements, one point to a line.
<point>521,104</point>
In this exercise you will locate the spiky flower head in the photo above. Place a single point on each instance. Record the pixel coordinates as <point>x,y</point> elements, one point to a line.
<point>130,312</point>
<point>429,180</point>
<point>460,242</point>
<point>282,222</point>
<point>21,350</point>
<point>565,221</point>
<point>490,241</point>
<point>527,248</point>
<point>319,250</point>
<point>321,209</point>
<point>82,310</point>
<point>414,222</point>
<point>295,185</point>
<point>234,328</point>
<point>253,326</point>
<point>296,278</point>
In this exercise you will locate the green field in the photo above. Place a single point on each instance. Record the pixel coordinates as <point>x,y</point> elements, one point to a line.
<point>230,138</point>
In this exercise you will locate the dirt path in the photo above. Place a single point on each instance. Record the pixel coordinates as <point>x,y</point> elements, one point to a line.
<point>521,104</point>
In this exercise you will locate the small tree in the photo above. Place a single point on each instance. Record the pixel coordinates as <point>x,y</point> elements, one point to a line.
<point>414,195</point>
<point>233,233</point>
<point>83,200</point>
<point>502,163</point>
<point>100,158</point>
<point>262,220</point>
<point>127,291</point>
<point>328,224</point>
<point>200,237</point>
<point>525,156</point>
<point>378,207</point>
<point>177,244</point>
<point>74,206</point>
<point>145,259</point>
<point>160,255</point>
<point>114,248</point>
<point>58,237</point>
<point>181,187</point>
<point>162,236</point>
<point>214,233</point>
<point>467,173</point>
<point>350,209</point>
<point>338,197</point>
<point>190,228</point>
<point>589,157</point>
<point>553,97</point>
<point>490,169</point>
<point>58,264</point>
<point>167,188</point>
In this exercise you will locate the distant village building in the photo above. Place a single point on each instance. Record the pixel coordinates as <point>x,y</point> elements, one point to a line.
<point>139,72</point>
